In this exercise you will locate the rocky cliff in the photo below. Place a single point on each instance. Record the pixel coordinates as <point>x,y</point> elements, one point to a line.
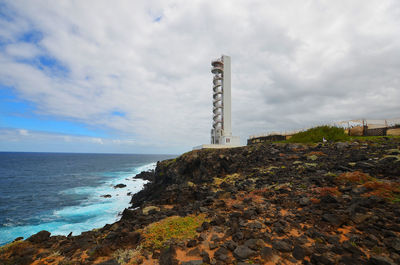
<point>335,203</point>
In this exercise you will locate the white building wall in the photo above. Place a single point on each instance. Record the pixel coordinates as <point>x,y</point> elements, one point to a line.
<point>221,133</point>
<point>226,85</point>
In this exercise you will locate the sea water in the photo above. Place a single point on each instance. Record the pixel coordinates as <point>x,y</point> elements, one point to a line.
<point>62,193</point>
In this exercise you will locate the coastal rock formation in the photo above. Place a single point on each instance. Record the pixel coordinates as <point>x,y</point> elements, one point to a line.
<point>119,186</point>
<point>331,203</point>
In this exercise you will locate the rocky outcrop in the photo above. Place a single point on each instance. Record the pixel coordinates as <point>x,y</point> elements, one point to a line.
<point>334,203</point>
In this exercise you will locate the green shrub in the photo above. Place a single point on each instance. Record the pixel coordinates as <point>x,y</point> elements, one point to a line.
<point>316,134</point>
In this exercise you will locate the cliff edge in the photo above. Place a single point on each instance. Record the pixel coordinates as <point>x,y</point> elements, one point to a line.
<point>333,203</point>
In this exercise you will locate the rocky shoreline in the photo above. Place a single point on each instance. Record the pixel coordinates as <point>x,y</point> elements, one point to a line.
<point>333,203</point>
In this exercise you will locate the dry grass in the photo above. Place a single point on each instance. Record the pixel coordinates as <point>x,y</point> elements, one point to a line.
<point>387,190</point>
<point>231,179</point>
<point>355,177</point>
<point>317,153</point>
<point>383,189</point>
<point>324,191</point>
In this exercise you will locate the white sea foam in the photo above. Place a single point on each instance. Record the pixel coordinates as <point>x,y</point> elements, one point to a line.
<point>95,212</point>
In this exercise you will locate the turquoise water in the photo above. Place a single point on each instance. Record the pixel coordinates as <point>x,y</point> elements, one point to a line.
<point>61,193</point>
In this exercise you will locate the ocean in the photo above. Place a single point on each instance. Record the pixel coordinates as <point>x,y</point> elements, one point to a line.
<point>62,192</point>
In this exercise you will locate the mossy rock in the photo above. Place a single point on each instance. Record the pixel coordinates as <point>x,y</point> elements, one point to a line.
<point>311,164</point>
<point>393,151</point>
<point>312,157</point>
<point>147,209</point>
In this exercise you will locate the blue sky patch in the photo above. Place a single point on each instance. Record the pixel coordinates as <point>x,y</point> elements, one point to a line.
<point>118,113</point>
<point>52,63</point>
<point>48,64</point>
<point>32,36</point>
<point>6,13</point>
<point>38,123</point>
<point>158,19</point>
<point>20,114</point>
<point>10,104</point>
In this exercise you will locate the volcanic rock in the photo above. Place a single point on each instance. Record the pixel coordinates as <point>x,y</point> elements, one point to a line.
<point>168,256</point>
<point>39,237</point>
<point>281,246</point>
<point>243,252</point>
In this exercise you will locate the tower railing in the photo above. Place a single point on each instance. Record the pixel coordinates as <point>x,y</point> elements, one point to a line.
<point>218,70</point>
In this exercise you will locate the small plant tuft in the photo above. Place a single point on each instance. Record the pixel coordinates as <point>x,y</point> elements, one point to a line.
<point>127,256</point>
<point>55,253</point>
<point>355,177</point>
<point>324,191</point>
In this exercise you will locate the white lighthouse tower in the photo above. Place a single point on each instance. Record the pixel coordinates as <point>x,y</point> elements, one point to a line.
<point>221,132</point>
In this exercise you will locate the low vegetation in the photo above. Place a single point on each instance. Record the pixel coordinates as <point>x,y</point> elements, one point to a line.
<point>228,179</point>
<point>383,189</point>
<point>317,134</point>
<point>158,234</point>
<point>355,177</point>
<point>127,256</point>
<point>20,244</point>
<point>324,191</point>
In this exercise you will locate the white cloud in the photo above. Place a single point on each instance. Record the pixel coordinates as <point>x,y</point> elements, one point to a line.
<point>294,64</point>
<point>96,140</point>
<point>22,50</point>
<point>23,132</point>
<point>38,141</point>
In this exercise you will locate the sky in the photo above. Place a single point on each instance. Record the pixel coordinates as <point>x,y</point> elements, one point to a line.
<point>134,76</point>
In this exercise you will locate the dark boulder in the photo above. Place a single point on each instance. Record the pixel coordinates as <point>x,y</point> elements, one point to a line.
<point>168,256</point>
<point>281,246</point>
<point>146,175</point>
<point>395,244</point>
<point>192,262</point>
<point>191,243</point>
<point>333,219</point>
<point>321,259</point>
<point>266,253</point>
<point>328,199</point>
<point>254,244</point>
<point>193,252</point>
<point>380,260</point>
<point>298,252</point>
<point>18,239</point>
<point>39,237</point>
<point>243,252</point>
<point>205,256</point>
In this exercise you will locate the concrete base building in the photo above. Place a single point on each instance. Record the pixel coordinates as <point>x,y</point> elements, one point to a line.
<point>221,132</point>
